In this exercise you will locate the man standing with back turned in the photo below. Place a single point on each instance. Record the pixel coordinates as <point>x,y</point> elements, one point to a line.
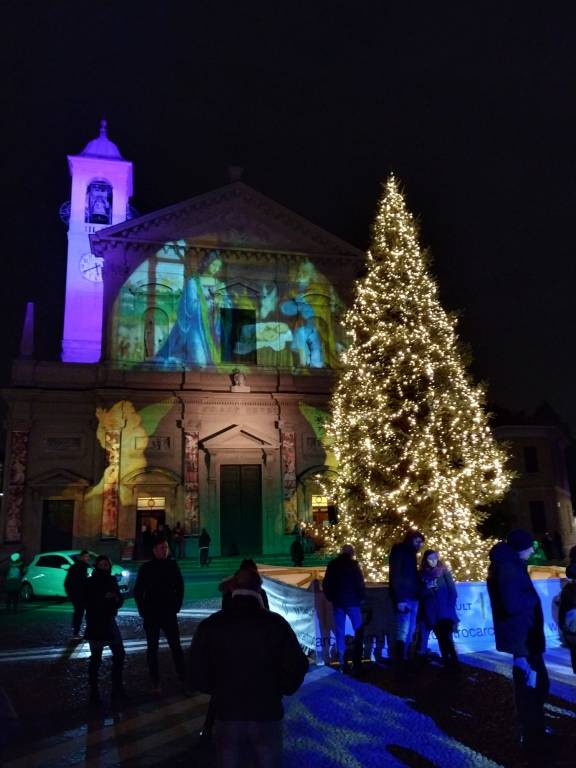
<point>344,587</point>
<point>519,630</point>
<point>158,592</point>
<point>405,591</point>
<point>247,658</point>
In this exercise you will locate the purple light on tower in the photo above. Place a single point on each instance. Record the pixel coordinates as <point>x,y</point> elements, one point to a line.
<point>101,190</point>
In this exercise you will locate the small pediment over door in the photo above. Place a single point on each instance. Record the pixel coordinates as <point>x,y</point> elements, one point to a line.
<point>58,478</point>
<point>238,437</point>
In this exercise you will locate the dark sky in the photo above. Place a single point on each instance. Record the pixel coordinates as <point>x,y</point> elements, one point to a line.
<point>470,103</point>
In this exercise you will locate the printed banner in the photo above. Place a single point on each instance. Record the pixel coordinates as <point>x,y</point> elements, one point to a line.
<point>296,606</point>
<point>191,485</point>
<point>475,630</point>
<point>16,485</point>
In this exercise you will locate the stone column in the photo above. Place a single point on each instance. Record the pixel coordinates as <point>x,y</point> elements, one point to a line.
<point>110,496</point>
<point>288,450</point>
<point>17,472</point>
<point>191,482</point>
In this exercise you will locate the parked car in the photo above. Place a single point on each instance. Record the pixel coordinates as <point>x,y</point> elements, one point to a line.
<point>45,575</point>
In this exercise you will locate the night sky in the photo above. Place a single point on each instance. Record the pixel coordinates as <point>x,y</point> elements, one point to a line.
<point>471,104</point>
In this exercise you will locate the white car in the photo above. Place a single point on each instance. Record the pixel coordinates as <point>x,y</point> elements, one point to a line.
<point>45,575</point>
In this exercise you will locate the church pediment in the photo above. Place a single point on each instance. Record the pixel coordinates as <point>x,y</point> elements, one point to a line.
<point>235,216</point>
<point>238,436</point>
<point>61,478</point>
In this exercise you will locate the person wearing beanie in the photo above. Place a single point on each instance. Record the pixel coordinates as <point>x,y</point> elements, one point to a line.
<point>519,630</point>
<point>247,659</point>
<point>567,613</point>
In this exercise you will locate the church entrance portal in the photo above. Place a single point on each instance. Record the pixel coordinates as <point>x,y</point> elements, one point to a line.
<point>241,509</point>
<point>57,524</point>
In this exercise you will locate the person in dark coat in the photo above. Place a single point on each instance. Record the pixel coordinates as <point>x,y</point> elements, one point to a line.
<point>519,630</point>
<point>247,659</point>
<point>344,587</point>
<point>297,551</point>
<point>204,547</point>
<point>13,582</point>
<point>567,613</point>
<point>438,607</point>
<point>74,585</point>
<point>102,599</point>
<point>404,590</point>
<point>158,593</point>
<point>227,586</point>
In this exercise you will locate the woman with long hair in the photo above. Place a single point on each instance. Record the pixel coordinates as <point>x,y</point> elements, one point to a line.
<point>438,605</point>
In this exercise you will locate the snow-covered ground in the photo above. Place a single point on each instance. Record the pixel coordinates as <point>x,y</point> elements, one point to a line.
<point>336,721</point>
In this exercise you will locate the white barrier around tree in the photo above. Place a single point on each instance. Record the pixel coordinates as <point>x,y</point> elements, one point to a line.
<point>310,615</point>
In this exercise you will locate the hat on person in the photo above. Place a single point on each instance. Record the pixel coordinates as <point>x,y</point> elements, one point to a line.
<point>519,540</point>
<point>245,578</point>
<point>347,549</point>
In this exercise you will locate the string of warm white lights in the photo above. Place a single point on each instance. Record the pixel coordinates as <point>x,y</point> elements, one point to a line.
<point>408,426</point>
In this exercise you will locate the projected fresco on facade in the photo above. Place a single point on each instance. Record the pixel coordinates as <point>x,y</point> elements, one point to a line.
<point>214,309</point>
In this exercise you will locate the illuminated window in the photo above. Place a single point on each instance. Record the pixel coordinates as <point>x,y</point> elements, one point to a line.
<point>98,208</point>
<point>151,502</point>
<point>320,509</point>
<point>238,338</point>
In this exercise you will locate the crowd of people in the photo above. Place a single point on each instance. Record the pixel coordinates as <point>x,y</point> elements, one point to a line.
<point>424,598</point>
<point>245,656</point>
<point>248,657</point>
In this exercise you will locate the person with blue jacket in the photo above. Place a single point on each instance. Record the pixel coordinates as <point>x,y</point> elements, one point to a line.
<point>519,630</point>
<point>438,607</point>
<point>344,587</point>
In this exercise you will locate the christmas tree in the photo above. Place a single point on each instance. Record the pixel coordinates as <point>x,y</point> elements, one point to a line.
<point>408,425</point>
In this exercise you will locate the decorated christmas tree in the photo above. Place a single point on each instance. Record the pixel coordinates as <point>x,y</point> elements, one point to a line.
<point>408,425</point>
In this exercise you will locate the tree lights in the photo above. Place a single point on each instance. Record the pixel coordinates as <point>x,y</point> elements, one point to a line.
<point>408,426</point>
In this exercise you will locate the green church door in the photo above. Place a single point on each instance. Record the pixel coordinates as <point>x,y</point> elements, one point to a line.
<point>241,509</point>
<point>57,523</point>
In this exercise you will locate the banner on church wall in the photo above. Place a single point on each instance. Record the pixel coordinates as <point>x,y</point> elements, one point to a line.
<point>191,483</point>
<point>475,630</point>
<point>110,496</point>
<point>16,485</point>
<point>288,449</point>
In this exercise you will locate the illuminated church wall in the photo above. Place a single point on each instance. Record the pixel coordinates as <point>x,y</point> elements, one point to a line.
<point>220,332</point>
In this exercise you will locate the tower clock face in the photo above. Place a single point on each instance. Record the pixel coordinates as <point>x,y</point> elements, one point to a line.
<point>91,267</point>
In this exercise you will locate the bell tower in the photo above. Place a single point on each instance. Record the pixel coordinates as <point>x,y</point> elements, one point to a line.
<point>101,190</point>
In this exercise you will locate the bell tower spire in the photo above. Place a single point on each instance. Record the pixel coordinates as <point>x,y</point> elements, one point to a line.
<point>101,190</point>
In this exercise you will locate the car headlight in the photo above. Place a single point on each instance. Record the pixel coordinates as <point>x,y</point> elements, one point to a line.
<point>125,574</point>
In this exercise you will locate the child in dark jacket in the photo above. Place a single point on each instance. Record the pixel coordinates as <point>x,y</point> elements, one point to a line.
<point>438,605</point>
<point>567,613</point>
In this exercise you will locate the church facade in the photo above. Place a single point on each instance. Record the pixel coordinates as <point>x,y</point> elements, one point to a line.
<point>198,353</point>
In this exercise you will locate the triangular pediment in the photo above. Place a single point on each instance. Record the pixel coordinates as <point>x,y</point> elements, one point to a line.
<point>238,436</point>
<point>58,478</point>
<point>235,216</point>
